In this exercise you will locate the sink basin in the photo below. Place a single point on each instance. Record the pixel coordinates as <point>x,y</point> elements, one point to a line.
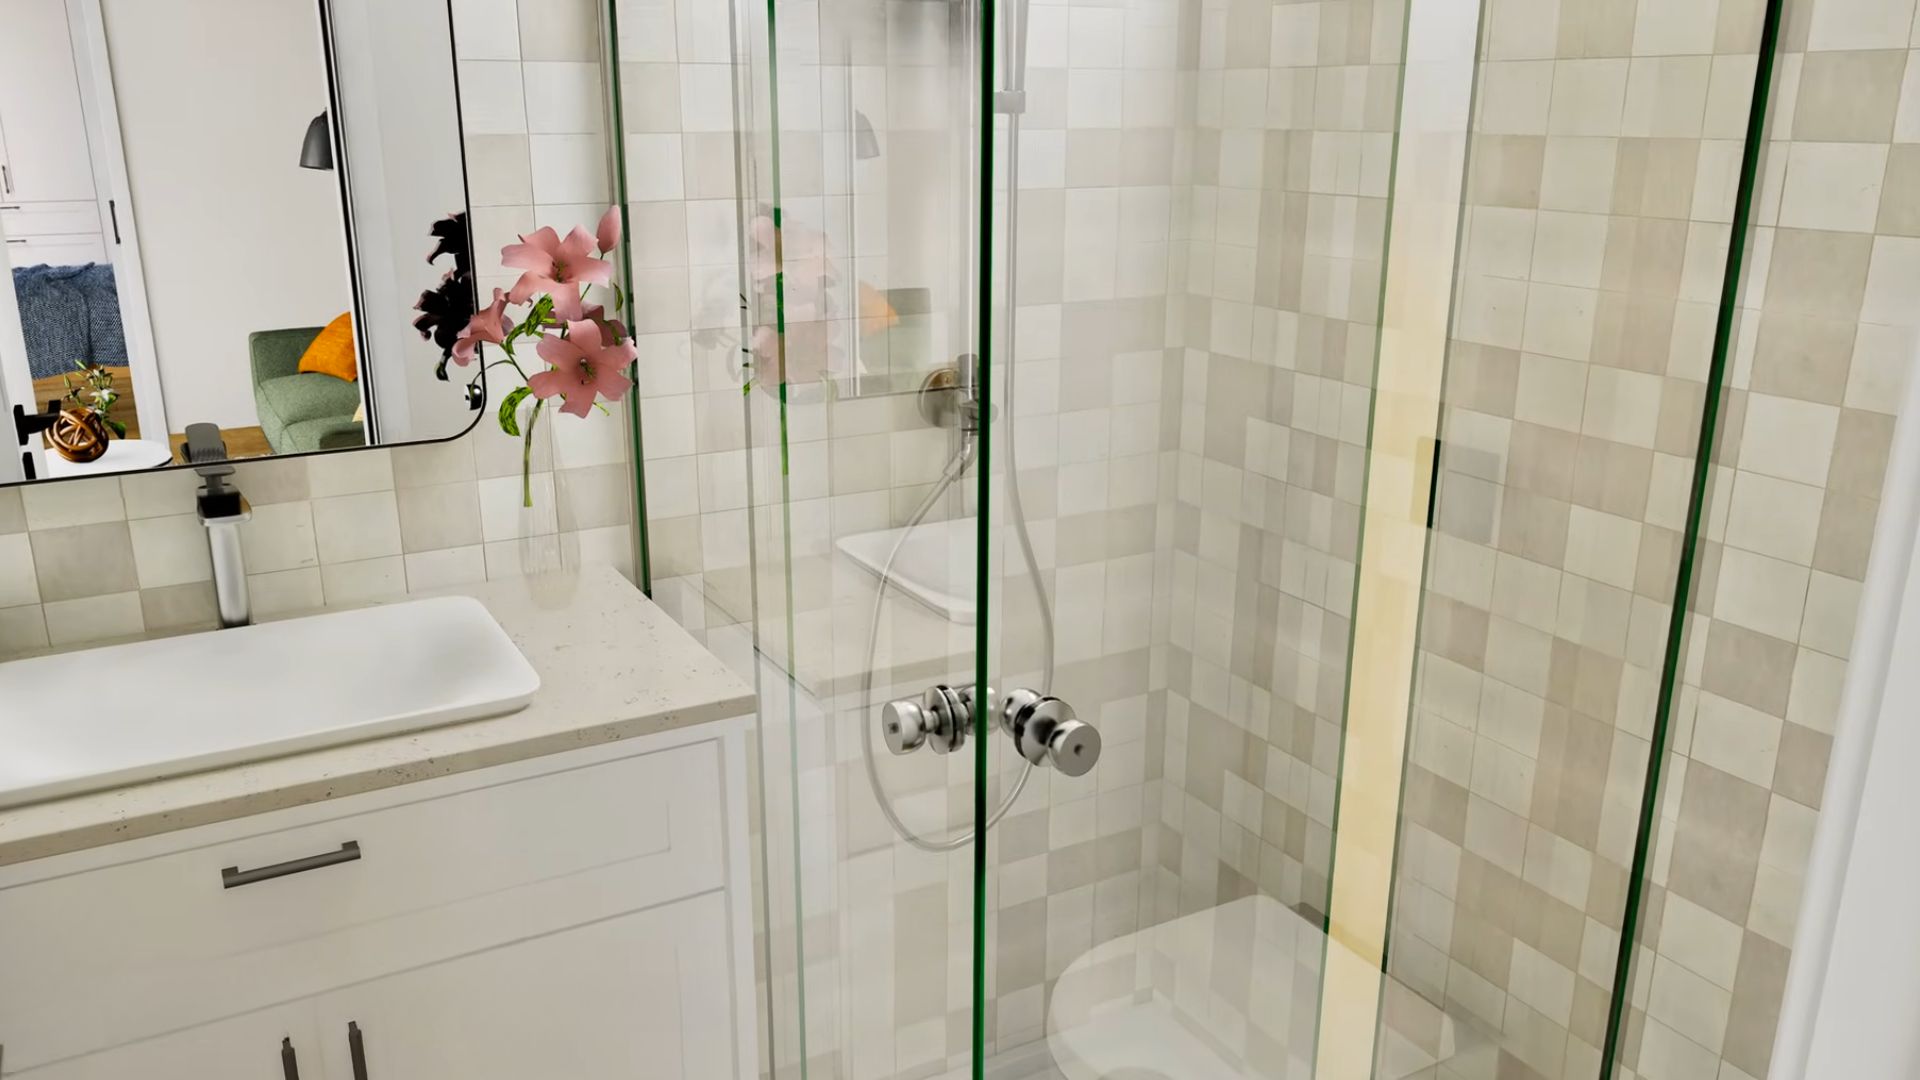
<point>180,704</point>
<point>936,565</point>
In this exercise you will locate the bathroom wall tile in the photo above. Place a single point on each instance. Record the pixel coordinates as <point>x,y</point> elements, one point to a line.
<point>504,515</point>
<point>363,581</point>
<point>180,607</point>
<point>1833,186</point>
<point>564,98</point>
<point>72,502</point>
<point>83,560</point>
<point>650,96</point>
<point>654,168</point>
<point>427,464</point>
<point>570,169</point>
<point>94,618</point>
<point>559,30</point>
<point>1848,97</point>
<point>445,568</point>
<point>286,591</point>
<point>170,550</point>
<point>350,474</point>
<point>492,98</point>
<point>486,30</point>
<point>1859,24</point>
<point>22,629</point>
<point>279,537</point>
<point>499,169</point>
<point>273,480</point>
<point>349,528</point>
<point>19,584</point>
<point>593,498</point>
<point>160,494</point>
<point>13,514</point>
<point>441,516</point>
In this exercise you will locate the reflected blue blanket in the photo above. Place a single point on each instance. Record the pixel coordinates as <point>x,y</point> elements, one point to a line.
<point>69,313</point>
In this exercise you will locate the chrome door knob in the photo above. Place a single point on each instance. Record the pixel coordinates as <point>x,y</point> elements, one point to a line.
<point>940,718</point>
<point>905,724</point>
<point>1047,732</point>
<point>1074,747</point>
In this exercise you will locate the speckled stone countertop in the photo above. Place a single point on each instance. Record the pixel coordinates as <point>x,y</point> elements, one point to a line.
<point>612,666</point>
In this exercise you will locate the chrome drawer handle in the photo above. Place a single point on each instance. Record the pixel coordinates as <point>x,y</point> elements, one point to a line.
<point>233,877</point>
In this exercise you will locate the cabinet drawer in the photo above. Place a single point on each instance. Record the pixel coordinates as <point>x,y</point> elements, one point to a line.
<point>133,950</point>
<point>30,219</point>
<point>63,249</point>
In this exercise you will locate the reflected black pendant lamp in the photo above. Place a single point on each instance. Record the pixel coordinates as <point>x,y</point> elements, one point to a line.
<point>316,151</point>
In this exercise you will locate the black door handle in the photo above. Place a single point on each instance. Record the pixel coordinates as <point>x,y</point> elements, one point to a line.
<point>233,877</point>
<point>289,1062</point>
<point>357,1050</point>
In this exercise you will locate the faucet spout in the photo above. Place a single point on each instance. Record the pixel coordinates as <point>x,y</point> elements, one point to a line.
<point>222,510</point>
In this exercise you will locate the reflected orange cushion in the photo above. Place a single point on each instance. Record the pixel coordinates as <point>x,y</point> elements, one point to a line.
<point>332,352</point>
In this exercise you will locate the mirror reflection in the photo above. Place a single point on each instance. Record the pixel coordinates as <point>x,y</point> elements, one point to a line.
<point>243,218</point>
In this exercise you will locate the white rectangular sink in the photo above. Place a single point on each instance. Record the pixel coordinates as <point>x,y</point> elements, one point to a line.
<point>102,718</point>
<point>936,565</point>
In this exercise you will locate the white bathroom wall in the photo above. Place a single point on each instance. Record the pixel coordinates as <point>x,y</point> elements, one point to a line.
<point>235,236</point>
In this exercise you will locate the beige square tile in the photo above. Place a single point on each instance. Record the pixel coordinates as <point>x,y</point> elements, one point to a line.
<point>84,560</point>
<point>170,550</point>
<point>19,583</point>
<point>63,503</point>
<point>94,618</point>
<point>1848,97</point>
<point>350,528</point>
<point>1833,186</point>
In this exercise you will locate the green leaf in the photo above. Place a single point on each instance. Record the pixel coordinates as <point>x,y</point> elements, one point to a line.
<point>119,428</point>
<point>510,410</point>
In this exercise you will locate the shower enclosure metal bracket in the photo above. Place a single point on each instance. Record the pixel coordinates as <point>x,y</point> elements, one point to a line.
<point>1044,729</point>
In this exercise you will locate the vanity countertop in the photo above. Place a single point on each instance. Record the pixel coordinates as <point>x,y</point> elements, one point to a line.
<point>612,666</point>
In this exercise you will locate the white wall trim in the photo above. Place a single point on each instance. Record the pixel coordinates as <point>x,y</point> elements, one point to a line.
<point>1853,984</point>
<point>88,27</point>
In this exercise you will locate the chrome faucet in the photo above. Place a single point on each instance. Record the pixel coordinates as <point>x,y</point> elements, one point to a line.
<point>222,510</point>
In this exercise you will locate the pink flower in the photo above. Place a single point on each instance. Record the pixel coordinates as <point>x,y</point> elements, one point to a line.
<point>584,368</point>
<point>607,233</point>
<point>611,328</point>
<point>489,324</point>
<point>556,267</point>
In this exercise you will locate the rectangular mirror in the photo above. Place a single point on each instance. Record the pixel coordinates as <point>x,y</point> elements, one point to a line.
<point>242,217</point>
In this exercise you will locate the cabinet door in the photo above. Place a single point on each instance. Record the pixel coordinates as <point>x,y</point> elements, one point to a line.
<point>274,1043</point>
<point>642,995</point>
<point>47,154</point>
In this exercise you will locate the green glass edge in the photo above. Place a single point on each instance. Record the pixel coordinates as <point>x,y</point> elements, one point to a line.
<point>1657,748</point>
<point>983,544</point>
<point>778,215</point>
<point>636,444</point>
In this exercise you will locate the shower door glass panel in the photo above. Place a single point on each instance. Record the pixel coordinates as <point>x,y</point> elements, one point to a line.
<point>857,565</point>
<point>1594,245</point>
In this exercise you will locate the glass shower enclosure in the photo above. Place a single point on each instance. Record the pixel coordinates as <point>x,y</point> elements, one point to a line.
<point>1214,488</point>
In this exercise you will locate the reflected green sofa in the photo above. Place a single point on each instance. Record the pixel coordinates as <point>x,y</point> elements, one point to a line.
<point>301,412</point>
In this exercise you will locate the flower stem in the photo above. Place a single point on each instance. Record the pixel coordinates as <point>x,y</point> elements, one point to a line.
<point>526,456</point>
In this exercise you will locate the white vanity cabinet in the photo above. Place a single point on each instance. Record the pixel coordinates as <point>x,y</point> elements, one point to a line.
<point>584,914</point>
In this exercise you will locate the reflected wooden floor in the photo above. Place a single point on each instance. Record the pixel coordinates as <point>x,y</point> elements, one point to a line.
<point>242,442</point>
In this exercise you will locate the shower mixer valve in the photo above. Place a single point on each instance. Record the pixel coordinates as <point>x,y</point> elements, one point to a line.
<point>1044,729</point>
